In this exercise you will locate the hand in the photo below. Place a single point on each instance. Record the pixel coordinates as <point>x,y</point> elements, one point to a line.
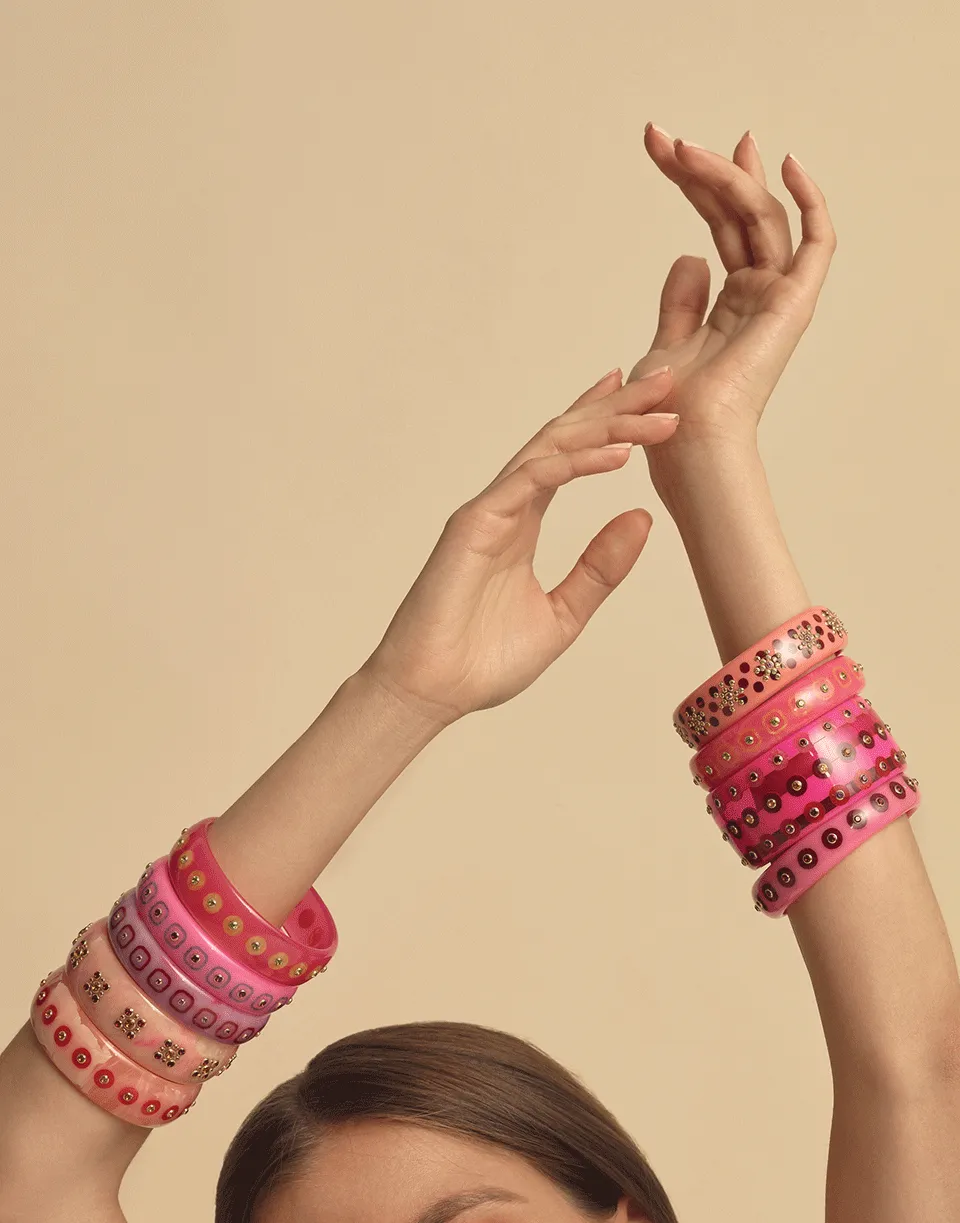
<point>727,365</point>
<point>477,628</point>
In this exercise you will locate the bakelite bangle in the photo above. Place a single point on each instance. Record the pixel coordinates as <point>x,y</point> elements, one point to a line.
<point>780,659</point>
<point>291,953</point>
<point>835,680</point>
<point>111,1000</point>
<point>162,980</point>
<point>795,872</point>
<point>192,949</point>
<point>773,803</point>
<point>89,1061</point>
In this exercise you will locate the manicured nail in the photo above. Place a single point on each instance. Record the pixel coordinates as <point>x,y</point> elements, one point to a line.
<point>619,446</point>
<point>661,416</point>
<point>655,373</point>
<point>688,144</point>
<point>609,374</point>
<point>791,157</point>
<point>652,127</point>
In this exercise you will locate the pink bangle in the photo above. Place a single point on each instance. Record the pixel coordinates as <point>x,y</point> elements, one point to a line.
<point>820,690</point>
<point>190,948</point>
<point>795,873</point>
<point>163,981</point>
<point>773,803</point>
<point>274,952</point>
<point>85,1057</point>
<point>780,659</point>
<point>109,997</point>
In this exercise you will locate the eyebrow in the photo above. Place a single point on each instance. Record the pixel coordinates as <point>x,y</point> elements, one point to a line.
<point>448,1208</point>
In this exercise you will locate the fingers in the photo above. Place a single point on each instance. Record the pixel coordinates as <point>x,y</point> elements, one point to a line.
<point>606,561</point>
<point>729,237</point>
<point>747,156</point>
<point>761,214</point>
<point>683,301</point>
<point>544,475</point>
<point>609,382</point>
<point>818,238</point>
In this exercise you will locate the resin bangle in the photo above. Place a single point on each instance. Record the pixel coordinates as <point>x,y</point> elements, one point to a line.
<point>781,658</point>
<point>780,796</point>
<point>837,679</point>
<point>104,1074</point>
<point>299,949</point>
<point>163,981</point>
<point>795,873</point>
<point>111,999</point>
<point>192,949</point>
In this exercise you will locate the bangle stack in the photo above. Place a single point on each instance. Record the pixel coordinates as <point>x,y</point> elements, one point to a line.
<point>154,1000</point>
<point>800,769</point>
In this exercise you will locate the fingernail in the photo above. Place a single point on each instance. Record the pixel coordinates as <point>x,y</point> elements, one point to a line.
<point>655,373</point>
<point>674,416</point>
<point>659,130</point>
<point>609,374</point>
<point>619,446</point>
<point>794,159</point>
<point>688,144</point>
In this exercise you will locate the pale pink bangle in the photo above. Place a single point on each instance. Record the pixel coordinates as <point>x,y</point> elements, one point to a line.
<point>299,949</point>
<point>767,807</point>
<point>835,680</point>
<point>795,872</point>
<point>89,1061</point>
<point>780,659</point>
<point>110,998</point>
<point>162,980</point>
<point>192,949</point>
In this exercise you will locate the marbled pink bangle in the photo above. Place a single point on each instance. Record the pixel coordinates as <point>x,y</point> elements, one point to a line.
<point>85,1058</point>
<point>291,953</point>
<point>191,948</point>
<point>837,679</point>
<point>795,872</point>
<point>162,980</point>
<point>112,1001</point>
<point>758,674</point>
<point>767,807</point>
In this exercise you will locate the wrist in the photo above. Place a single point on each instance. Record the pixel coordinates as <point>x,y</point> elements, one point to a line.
<point>404,715</point>
<point>702,461</point>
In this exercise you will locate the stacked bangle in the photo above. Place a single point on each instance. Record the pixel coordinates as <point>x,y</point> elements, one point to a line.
<point>161,979</point>
<point>110,999</point>
<point>795,873</point>
<point>770,805</point>
<point>88,1060</point>
<point>786,654</point>
<point>836,680</point>
<point>190,948</point>
<point>287,954</point>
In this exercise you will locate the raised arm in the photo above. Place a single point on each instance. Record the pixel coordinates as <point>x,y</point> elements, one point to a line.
<point>870,931</point>
<point>475,630</point>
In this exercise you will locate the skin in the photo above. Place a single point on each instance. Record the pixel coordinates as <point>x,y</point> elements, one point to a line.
<point>476,629</point>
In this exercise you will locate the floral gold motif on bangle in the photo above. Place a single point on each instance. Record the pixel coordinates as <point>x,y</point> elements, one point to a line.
<point>96,986</point>
<point>169,1053</point>
<point>206,1070</point>
<point>768,664</point>
<point>129,1023</point>
<point>77,952</point>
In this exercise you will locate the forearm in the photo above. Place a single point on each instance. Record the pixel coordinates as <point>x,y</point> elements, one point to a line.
<point>317,792</point>
<point>871,931</point>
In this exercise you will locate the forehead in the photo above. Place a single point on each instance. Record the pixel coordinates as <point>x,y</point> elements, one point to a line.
<point>390,1172</point>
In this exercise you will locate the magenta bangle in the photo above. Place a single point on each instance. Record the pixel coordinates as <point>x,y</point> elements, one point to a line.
<point>93,1065</point>
<point>117,1007</point>
<point>805,864</point>
<point>162,980</point>
<point>771,804</point>
<point>299,949</point>
<point>191,949</point>
<point>833,681</point>
<point>750,680</point>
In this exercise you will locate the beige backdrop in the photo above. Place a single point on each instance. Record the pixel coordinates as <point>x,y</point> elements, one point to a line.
<point>282,286</point>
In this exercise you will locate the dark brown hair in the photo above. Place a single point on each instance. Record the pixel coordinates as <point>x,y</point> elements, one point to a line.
<point>466,1080</point>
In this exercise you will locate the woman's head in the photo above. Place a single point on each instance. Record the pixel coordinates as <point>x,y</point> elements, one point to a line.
<point>430,1122</point>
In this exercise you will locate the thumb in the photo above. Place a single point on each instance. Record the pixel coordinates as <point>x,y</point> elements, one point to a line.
<point>605,562</point>
<point>683,301</point>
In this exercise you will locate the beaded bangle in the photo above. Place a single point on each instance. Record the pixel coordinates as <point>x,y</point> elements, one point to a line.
<point>734,747</point>
<point>795,873</point>
<point>299,949</point>
<point>782,657</point>
<point>191,948</point>
<point>85,1058</point>
<point>109,997</point>
<point>768,807</point>
<point>162,980</point>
